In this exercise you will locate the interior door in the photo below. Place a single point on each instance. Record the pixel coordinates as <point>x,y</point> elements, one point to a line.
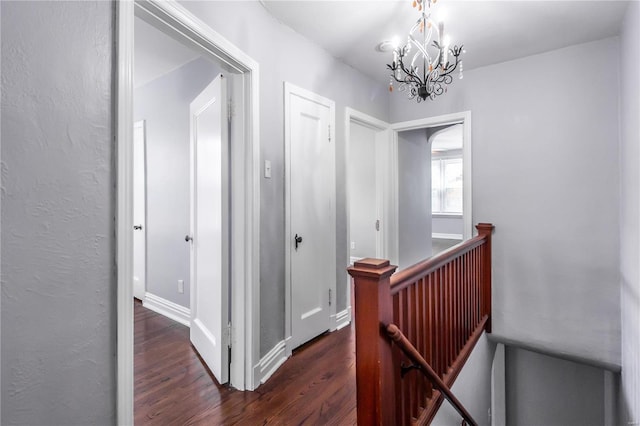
<point>210,227</point>
<point>139,211</point>
<point>312,216</point>
<point>364,192</point>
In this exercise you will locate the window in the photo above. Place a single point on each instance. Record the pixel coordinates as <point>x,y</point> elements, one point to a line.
<point>446,185</point>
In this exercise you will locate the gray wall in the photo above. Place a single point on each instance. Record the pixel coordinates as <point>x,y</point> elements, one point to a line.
<point>164,105</point>
<point>541,390</point>
<point>472,387</point>
<point>630,214</point>
<point>58,209</point>
<point>284,55</point>
<point>362,191</point>
<point>414,197</point>
<point>545,172</point>
<point>447,225</point>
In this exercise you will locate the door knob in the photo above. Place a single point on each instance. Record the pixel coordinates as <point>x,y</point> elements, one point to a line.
<point>187,238</point>
<point>298,240</point>
<point>137,227</point>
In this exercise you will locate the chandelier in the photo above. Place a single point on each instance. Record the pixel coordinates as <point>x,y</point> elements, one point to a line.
<point>433,62</point>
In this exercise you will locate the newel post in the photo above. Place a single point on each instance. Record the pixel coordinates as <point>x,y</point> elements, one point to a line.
<point>485,229</point>
<point>374,362</point>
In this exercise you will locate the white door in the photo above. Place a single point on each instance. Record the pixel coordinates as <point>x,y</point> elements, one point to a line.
<point>311,225</point>
<point>365,193</point>
<point>210,227</point>
<point>139,211</point>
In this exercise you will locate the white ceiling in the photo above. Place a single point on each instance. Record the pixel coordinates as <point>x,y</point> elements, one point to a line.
<point>156,54</point>
<point>491,31</point>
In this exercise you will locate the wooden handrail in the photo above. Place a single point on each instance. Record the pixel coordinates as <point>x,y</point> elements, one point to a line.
<point>414,356</point>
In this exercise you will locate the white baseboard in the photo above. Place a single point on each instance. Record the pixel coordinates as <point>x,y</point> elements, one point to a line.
<point>343,318</point>
<point>447,236</point>
<point>167,308</point>
<point>270,363</point>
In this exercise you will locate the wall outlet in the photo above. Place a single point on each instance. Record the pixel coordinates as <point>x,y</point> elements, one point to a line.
<point>180,286</point>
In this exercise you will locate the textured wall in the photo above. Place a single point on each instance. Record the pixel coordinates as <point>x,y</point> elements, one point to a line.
<point>164,105</point>
<point>545,172</point>
<point>284,55</point>
<point>58,251</point>
<point>630,214</point>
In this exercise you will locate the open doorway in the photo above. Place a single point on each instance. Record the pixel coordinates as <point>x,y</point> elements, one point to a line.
<point>174,22</point>
<point>181,209</point>
<point>447,186</point>
<point>434,185</point>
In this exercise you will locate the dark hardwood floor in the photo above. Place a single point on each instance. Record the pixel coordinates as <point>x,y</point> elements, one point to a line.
<point>316,386</point>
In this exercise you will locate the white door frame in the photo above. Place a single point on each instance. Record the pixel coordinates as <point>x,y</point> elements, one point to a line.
<point>290,89</point>
<point>173,19</point>
<point>463,118</point>
<point>384,189</point>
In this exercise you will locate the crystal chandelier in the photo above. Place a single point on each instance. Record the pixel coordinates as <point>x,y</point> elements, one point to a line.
<point>433,62</point>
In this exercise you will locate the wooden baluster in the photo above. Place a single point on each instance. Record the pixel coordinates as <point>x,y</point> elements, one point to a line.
<point>438,312</point>
<point>486,229</point>
<point>450,317</point>
<point>374,362</point>
<point>411,333</point>
<point>458,307</point>
<point>433,336</point>
<point>428,329</point>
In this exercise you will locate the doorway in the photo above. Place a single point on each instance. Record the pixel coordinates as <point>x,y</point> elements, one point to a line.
<point>175,21</point>
<point>368,192</point>
<point>310,215</point>
<point>422,130</point>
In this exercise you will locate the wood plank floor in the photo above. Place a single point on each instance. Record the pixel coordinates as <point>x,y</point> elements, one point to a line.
<point>316,386</point>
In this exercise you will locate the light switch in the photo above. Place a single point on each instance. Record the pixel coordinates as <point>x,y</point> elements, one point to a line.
<point>353,245</point>
<point>267,169</point>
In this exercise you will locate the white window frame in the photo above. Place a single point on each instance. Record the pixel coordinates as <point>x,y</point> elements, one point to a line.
<point>442,159</point>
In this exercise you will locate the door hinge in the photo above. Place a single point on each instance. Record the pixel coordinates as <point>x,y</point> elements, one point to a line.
<point>329,297</point>
<point>229,335</point>
<point>229,109</point>
<point>377,224</point>
<point>329,132</point>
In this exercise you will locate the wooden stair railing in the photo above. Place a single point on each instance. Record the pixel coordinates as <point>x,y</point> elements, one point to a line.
<point>419,363</point>
<point>441,305</point>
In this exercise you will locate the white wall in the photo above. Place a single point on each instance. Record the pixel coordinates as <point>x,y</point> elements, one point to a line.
<point>630,214</point>
<point>472,387</point>
<point>542,390</point>
<point>414,197</point>
<point>58,210</point>
<point>362,190</point>
<point>545,172</point>
<point>164,105</point>
<point>284,55</point>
